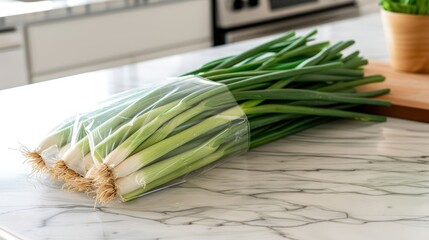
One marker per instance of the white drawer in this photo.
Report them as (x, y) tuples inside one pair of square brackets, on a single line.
[(13, 67), (13, 72), (80, 42)]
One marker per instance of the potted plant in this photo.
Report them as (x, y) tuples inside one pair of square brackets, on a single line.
[(406, 26)]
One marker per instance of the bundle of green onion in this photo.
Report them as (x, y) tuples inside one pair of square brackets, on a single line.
[(147, 138)]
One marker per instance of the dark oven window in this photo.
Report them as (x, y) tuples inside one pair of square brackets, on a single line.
[(276, 4)]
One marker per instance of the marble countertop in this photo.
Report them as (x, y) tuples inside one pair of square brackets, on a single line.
[(343, 180), (19, 12)]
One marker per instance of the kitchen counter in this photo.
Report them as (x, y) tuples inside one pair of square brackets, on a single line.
[(18, 12), (343, 180)]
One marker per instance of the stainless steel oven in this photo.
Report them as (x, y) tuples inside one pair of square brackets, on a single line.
[(235, 20)]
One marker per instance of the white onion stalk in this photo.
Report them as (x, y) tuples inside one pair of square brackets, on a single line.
[(136, 112), (73, 166), (105, 180), (68, 131), (152, 153), (58, 139), (64, 149), (223, 151), (146, 175)]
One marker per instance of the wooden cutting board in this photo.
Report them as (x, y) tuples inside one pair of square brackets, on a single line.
[(409, 93)]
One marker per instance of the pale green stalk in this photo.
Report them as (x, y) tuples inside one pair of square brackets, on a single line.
[(127, 147), (113, 140), (223, 100), (165, 167), (141, 105), (73, 132), (102, 107), (221, 152), (154, 152)]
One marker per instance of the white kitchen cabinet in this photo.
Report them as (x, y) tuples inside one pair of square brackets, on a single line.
[(87, 43), (13, 69)]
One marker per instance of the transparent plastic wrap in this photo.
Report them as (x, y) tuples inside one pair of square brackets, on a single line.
[(48, 156), (177, 127), (78, 151)]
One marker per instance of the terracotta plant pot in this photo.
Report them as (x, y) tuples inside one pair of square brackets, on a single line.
[(408, 39)]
